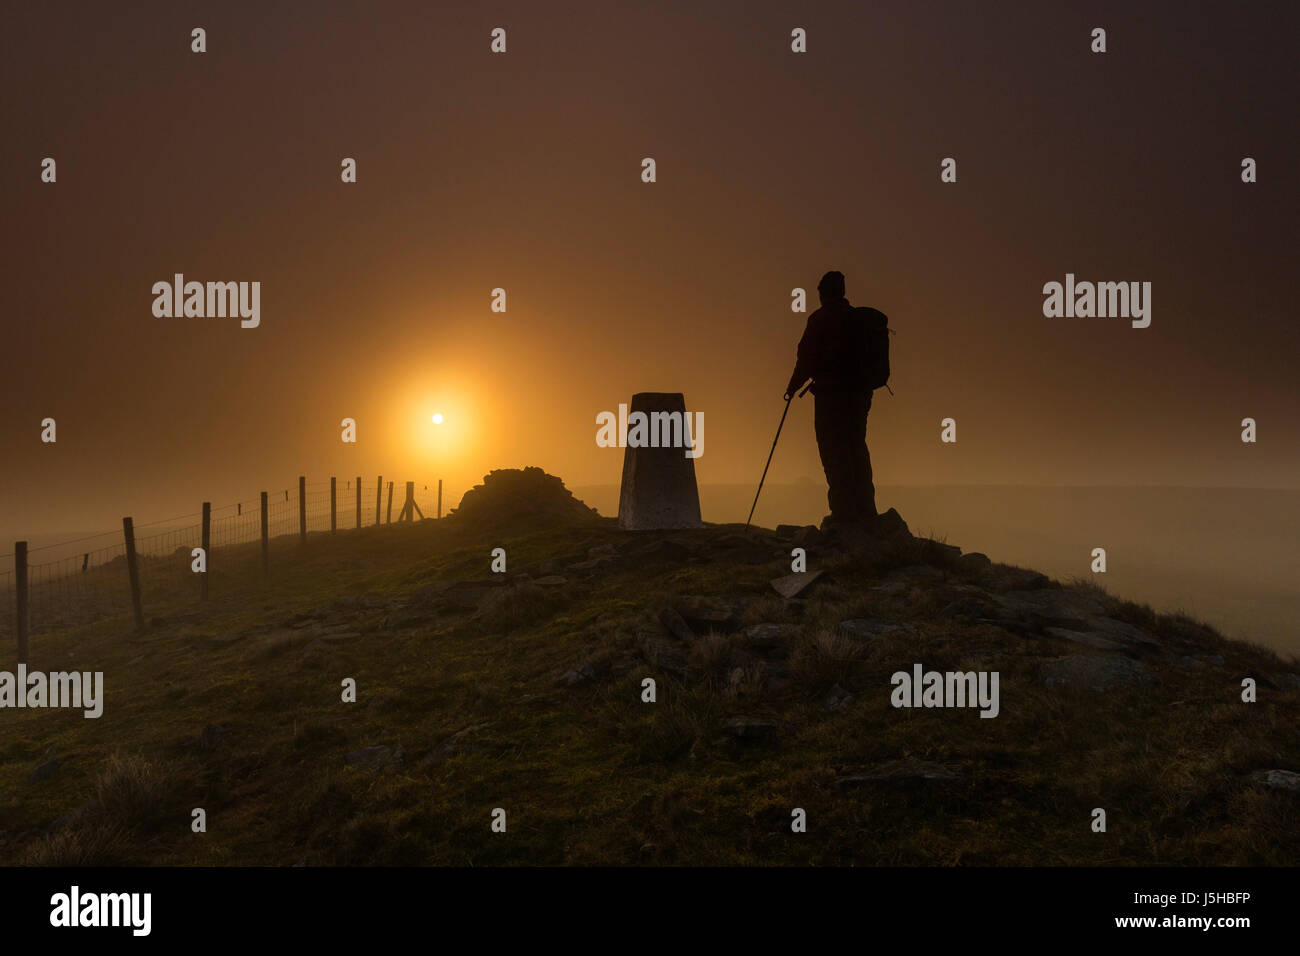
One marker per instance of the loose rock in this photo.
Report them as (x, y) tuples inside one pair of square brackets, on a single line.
[(661, 654), (763, 637), (45, 771), (1287, 781), (675, 624), (864, 629), (750, 728), (792, 585), (908, 772), (710, 613), (375, 758), (837, 699), (1097, 673), (582, 674)]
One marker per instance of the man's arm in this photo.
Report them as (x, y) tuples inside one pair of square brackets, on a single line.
[(803, 364)]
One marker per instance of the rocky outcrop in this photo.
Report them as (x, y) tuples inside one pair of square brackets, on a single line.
[(515, 498)]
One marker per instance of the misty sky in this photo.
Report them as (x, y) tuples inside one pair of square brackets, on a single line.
[(522, 171)]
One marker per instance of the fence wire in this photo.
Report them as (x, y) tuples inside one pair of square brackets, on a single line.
[(82, 588)]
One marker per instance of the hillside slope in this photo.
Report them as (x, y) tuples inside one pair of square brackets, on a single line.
[(523, 691)]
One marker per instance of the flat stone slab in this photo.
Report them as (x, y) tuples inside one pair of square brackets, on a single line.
[(457, 743), (837, 699), (908, 772), (1059, 608), (591, 564), (975, 562), (769, 636), (675, 624), (792, 585), (660, 653), (1286, 780), (865, 629), (1021, 579), (1087, 638), (45, 771), (710, 613), (1121, 631), (940, 548), (582, 674), (1097, 673), (375, 758), (750, 728)]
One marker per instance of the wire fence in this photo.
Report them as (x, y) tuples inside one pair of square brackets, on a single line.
[(73, 583)]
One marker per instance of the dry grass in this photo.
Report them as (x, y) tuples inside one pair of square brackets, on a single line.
[(592, 774)]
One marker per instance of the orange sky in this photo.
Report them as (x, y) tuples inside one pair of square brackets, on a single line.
[(522, 171)]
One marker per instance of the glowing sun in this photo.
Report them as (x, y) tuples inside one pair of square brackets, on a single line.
[(437, 418)]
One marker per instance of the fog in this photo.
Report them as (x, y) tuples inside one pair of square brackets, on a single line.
[(1228, 556)]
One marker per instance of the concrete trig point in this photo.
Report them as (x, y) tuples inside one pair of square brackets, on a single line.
[(659, 490)]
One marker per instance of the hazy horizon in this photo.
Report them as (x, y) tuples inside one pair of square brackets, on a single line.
[(1225, 555), (522, 171), (451, 499)]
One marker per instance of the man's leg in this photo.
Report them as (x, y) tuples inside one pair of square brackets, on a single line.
[(833, 423), (822, 426), (864, 488)]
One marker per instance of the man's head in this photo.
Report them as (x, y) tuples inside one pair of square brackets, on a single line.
[(831, 288)]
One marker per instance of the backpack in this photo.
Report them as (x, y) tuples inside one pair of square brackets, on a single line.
[(876, 359)]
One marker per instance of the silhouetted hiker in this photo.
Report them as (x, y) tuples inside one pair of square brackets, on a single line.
[(845, 351)]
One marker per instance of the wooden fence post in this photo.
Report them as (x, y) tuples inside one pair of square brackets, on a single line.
[(409, 508), (358, 501), (266, 540), (439, 497), (207, 548), (334, 509), (133, 572), (20, 580), (379, 499), (302, 509), (390, 502)]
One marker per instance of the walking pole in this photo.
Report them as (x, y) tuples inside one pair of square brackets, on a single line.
[(769, 459)]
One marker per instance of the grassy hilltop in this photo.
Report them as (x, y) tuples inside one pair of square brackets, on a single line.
[(523, 691)]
